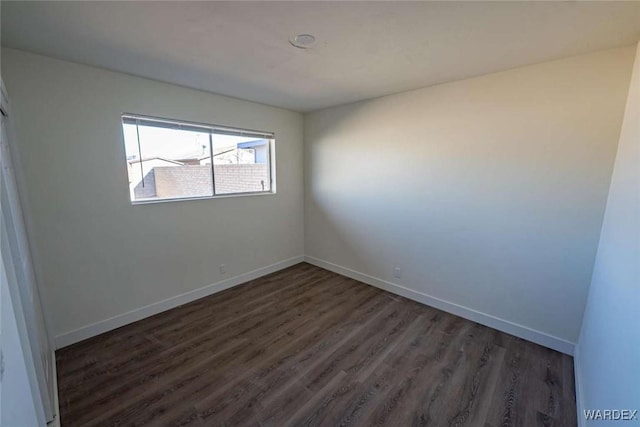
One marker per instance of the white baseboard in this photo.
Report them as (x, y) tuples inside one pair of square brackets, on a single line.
[(520, 331), (106, 325), (577, 373)]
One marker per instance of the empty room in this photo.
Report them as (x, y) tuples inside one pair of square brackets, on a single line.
[(320, 213)]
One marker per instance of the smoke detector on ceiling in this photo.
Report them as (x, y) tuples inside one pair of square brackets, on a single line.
[(302, 41)]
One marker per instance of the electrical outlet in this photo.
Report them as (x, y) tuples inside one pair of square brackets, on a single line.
[(397, 273), (223, 268)]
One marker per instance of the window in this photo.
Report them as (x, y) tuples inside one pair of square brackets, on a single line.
[(169, 160)]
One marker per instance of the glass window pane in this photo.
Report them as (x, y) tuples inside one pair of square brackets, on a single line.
[(167, 163), (241, 164)]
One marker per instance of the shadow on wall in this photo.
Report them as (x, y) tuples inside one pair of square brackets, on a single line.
[(489, 191)]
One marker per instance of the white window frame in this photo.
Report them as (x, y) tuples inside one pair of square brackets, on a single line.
[(130, 118)]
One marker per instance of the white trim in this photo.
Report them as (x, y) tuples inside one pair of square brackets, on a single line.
[(56, 401), (577, 373), (520, 331), (24, 290), (77, 335), (216, 196)]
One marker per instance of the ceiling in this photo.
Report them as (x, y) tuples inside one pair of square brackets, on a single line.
[(363, 49)]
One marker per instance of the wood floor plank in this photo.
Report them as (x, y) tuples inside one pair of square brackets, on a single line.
[(505, 409), (410, 398), (569, 415), (272, 380), (218, 412), (359, 402), (304, 346), (215, 400), (259, 337), (212, 337)]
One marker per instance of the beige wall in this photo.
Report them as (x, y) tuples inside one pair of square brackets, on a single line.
[(99, 256), (608, 354), (488, 193)]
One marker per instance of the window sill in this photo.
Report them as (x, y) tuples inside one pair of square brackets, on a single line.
[(186, 199)]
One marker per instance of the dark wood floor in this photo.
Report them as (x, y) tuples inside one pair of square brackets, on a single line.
[(305, 346)]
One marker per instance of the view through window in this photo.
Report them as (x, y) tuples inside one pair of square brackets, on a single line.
[(169, 160)]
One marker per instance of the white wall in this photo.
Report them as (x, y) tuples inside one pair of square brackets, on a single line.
[(98, 255), (608, 353), (488, 193)]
